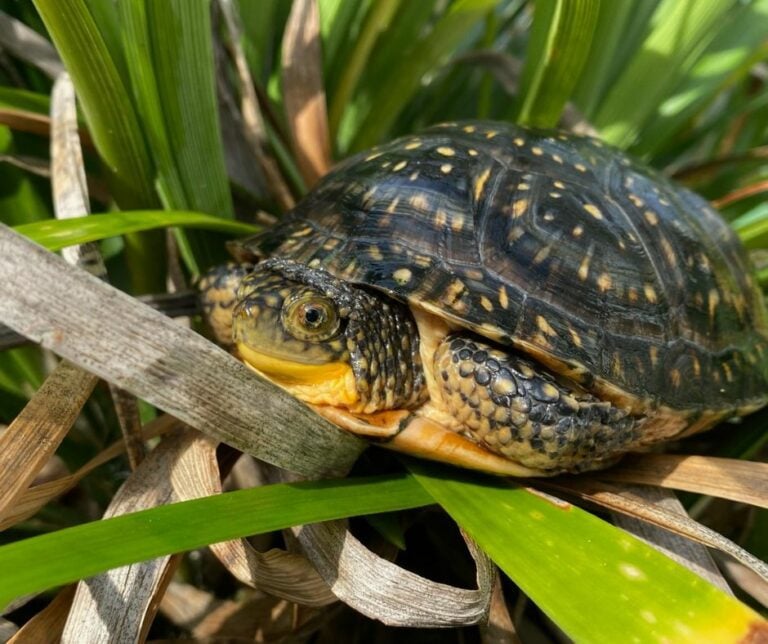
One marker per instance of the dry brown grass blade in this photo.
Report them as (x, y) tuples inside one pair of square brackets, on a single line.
[(726, 478), (114, 336), (276, 572), (619, 500), (29, 442), (384, 591), (252, 617), (123, 600), (500, 629), (747, 580), (28, 45), (35, 497), (304, 91), (686, 552), (251, 114), (47, 626), (23, 121)]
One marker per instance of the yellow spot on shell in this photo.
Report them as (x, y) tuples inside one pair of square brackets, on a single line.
[(578, 230), (604, 282), (393, 205), (544, 325), (472, 152), (503, 297), (490, 134), (541, 255), (653, 352), (675, 377), (518, 141), (441, 217), (402, 276), (519, 207), (651, 217), (414, 176), (419, 202), (557, 158), (632, 294), (373, 156), (399, 166), (555, 195), (413, 145), (523, 186), (559, 184), (713, 299), (486, 303), (537, 150), (593, 210), (469, 128), (446, 151), (728, 372), (584, 267), (575, 337), (650, 293), (580, 167), (669, 252), (636, 200), (446, 168), (696, 366), (480, 183)]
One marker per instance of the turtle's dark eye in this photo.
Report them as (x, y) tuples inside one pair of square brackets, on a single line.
[(310, 316)]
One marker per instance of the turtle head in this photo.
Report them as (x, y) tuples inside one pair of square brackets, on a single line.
[(325, 341)]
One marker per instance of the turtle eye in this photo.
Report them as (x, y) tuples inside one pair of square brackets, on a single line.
[(311, 317)]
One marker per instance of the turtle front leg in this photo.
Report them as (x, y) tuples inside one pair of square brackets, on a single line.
[(514, 408), (218, 289)]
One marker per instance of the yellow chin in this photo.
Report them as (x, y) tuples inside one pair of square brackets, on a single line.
[(332, 383)]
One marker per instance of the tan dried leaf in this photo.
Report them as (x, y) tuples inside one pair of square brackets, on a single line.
[(726, 478), (304, 91), (123, 600), (43, 423)]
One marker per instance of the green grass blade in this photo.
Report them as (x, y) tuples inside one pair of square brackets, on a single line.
[(104, 99), (170, 57), (615, 39), (557, 50), (56, 234), (28, 566), (598, 583), (385, 96), (21, 99), (752, 227), (680, 32)]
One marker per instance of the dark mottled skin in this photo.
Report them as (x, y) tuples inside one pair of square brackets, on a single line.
[(514, 408), (613, 271)]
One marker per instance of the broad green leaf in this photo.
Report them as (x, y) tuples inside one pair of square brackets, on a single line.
[(680, 32), (55, 234), (557, 50), (30, 566), (104, 98), (598, 583)]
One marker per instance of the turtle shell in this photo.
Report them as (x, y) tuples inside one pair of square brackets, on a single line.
[(556, 244)]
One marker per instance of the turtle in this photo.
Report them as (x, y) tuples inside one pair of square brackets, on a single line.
[(518, 301)]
